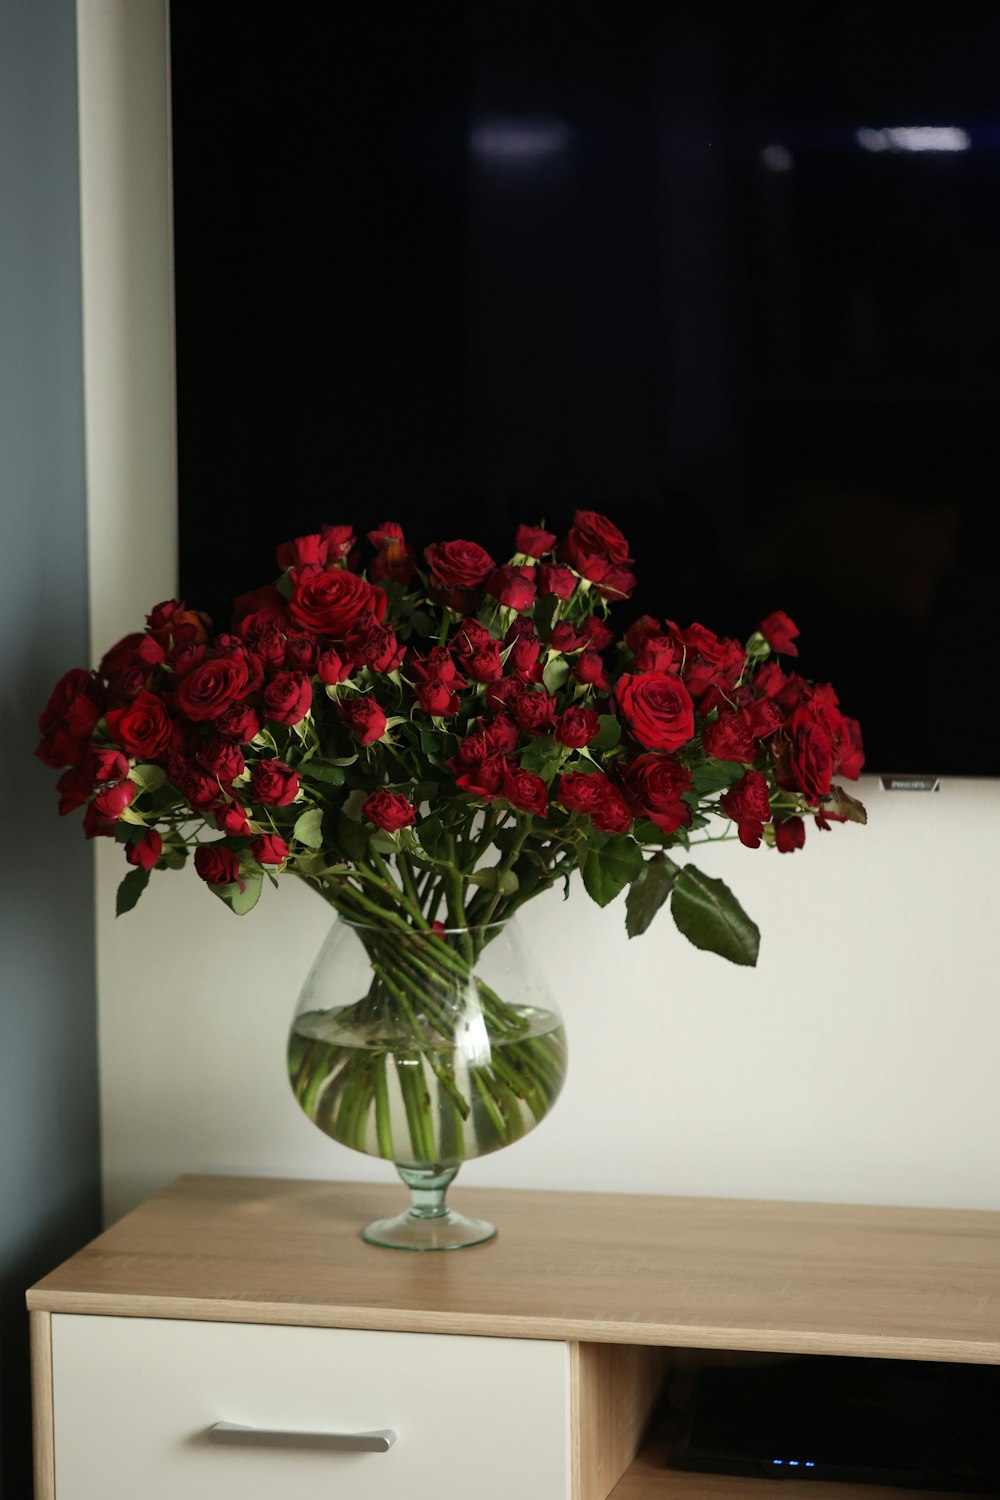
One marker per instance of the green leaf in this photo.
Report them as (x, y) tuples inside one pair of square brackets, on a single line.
[(608, 870), (610, 733), (241, 901), (555, 674), (148, 778), (352, 837), (130, 890), (716, 776), (495, 879), (353, 803), (543, 615), (709, 916), (843, 805), (648, 891), (430, 831), (308, 828), (317, 770)]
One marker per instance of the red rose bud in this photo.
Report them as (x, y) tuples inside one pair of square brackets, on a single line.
[(583, 791), (209, 690), (274, 784), (501, 734), (239, 723), (231, 819), (553, 578), (72, 709), (395, 560), (811, 764), (121, 655), (613, 815), (222, 759), (339, 542), (655, 653), (565, 637), (593, 535), (374, 646), (146, 851), (363, 717), (437, 666), (288, 697), (269, 850), (301, 651), (171, 623), (109, 765), (615, 582), (597, 633), (532, 541), (731, 737), (533, 712), (74, 787), (331, 668), (657, 709), (389, 810), (331, 602), (469, 635), (749, 806), (513, 586), (588, 668), (479, 765), (111, 801), (523, 658), (438, 698), (217, 865), (789, 834), (525, 791), (201, 790), (577, 727), (780, 632), (484, 665), (183, 659), (303, 552), (94, 826), (458, 565)]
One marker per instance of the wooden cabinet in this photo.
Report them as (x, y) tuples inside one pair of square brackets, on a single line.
[(525, 1369)]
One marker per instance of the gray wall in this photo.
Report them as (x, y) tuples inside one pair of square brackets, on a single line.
[(49, 1146)]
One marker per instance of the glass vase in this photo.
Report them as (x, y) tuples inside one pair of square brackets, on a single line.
[(426, 1047)]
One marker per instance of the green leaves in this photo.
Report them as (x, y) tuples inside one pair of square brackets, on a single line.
[(148, 778), (241, 901), (609, 869), (842, 805), (648, 892), (710, 917), (130, 889), (493, 878), (716, 776), (610, 733), (308, 828), (555, 674)]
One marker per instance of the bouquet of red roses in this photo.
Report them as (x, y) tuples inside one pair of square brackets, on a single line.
[(437, 740)]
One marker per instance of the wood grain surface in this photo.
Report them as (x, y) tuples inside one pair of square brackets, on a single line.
[(43, 1433), (686, 1272)]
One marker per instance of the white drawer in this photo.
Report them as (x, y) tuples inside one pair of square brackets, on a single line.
[(134, 1399)]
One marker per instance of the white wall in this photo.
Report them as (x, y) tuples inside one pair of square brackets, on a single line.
[(857, 1062)]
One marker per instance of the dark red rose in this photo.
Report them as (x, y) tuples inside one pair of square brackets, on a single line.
[(217, 865), (183, 659), (811, 763), (263, 622), (274, 784), (288, 697), (532, 541), (576, 727), (174, 625), (389, 810), (74, 787), (597, 633), (239, 723), (657, 709), (655, 785), (749, 806), (304, 552), (437, 666), (588, 668), (396, 559), (146, 851), (780, 632), (269, 645), (121, 655), (655, 653), (269, 849), (502, 734), (209, 690), (68, 718), (614, 814), (525, 791), (438, 698), (553, 578), (329, 603), (594, 536), (484, 665), (339, 541), (765, 717), (111, 801), (108, 765), (479, 766), (222, 759), (331, 668), (95, 826), (710, 661), (265, 598), (469, 635), (458, 565), (372, 645), (731, 737), (301, 651), (852, 755), (615, 582), (232, 819), (363, 717), (513, 586), (789, 834), (143, 728), (583, 791), (149, 652), (533, 712), (565, 637), (523, 658), (200, 789), (639, 630)]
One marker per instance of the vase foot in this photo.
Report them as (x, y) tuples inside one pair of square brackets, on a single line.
[(409, 1231)]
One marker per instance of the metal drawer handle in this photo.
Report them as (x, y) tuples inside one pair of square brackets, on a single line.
[(335, 1442)]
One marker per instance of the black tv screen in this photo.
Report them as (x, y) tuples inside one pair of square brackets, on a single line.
[(730, 275)]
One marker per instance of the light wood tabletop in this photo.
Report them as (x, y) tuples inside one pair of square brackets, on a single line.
[(685, 1272)]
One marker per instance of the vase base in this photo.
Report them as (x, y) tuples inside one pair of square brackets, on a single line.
[(410, 1231)]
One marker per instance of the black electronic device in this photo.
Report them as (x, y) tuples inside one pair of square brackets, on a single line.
[(922, 1426)]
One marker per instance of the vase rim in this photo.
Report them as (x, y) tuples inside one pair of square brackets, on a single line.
[(439, 931)]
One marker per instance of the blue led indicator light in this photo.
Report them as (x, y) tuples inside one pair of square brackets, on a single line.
[(793, 1463), (777, 1460), (810, 1464)]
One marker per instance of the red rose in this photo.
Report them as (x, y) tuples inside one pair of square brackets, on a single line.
[(111, 801), (765, 718), (339, 542), (576, 727), (501, 733), (109, 765), (146, 851), (655, 653), (479, 765), (149, 652), (565, 637), (389, 810), (458, 565), (484, 665), (217, 865), (304, 551), (657, 709), (614, 814), (525, 791), (201, 790), (288, 697), (395, 558), (731, 737), (437, 666), (329, 603), (749, 806), (222, 759), (269, 849), (583, 791), (523, 658), (209, 690), (171, 623), (533, 712), (183, 659), (68, 718), (74, 787), (363, 717), (656, 784), (711, 661), (120, 655), (301, 651), (639, 630), (850, 750), (811, 763), (513, 586), (789, 834), (553, 578), (274, 783), (373, 645), (331, 669), (143, 728), (780, 632), (469, 635), (249, 604), (532, 541), (597, 633), (239, 723), (438, 698), (588, 668), (594, 536), (231, 819)]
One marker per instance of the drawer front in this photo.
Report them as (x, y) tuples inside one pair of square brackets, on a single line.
[(134, 1400)]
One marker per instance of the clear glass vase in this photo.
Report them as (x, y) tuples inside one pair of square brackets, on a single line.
[(426, 1048)]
